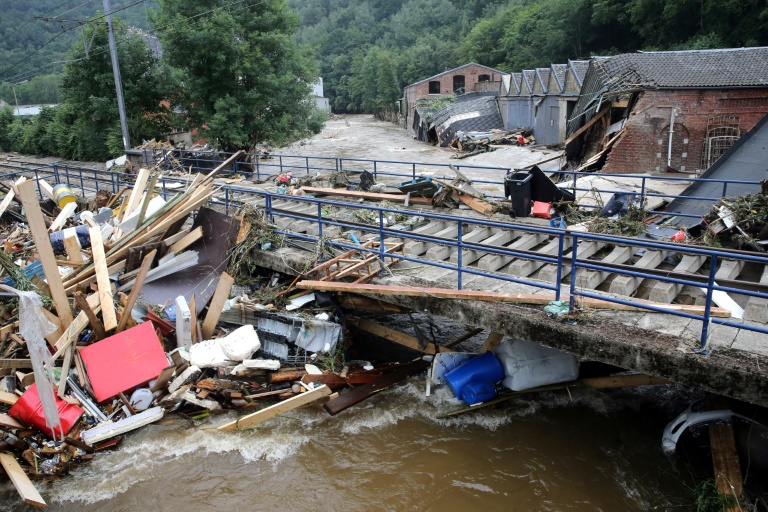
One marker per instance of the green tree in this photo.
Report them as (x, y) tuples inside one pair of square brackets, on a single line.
[(88, 87), (245, 80)]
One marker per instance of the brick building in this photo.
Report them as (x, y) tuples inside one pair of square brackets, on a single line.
[(629, 102), (469, 78)]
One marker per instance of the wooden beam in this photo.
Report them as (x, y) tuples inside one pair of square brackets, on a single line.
[(65, 365), (9, 422), (586, 126), (493, 339), (725, 458), (623, 381), (277, 409), (136, 193), (146, 263), (72, 246), (102, 278), (517, 298), (209, 178), (77, 326), (544, 161), (357, 395), (21, 481), (15, 363), (10, 195), (220, 296), (8, 398), (55, 335), (63, 216), (150, 191), (372, 196), (46, 189), (96, 325), (45, 251), (187, 240), (396, 336), (463, 337), (479, 205)]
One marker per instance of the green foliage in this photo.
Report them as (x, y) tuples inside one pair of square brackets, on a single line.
[(86, 126), (245, 80)]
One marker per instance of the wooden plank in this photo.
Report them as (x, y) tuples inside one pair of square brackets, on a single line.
[(72, 245), (623, 381), (277, 409), (187, 240), (220, 296), (96, 325), (8, 398), (77, 326), (8, 422), (63, 216), (21, 481), (143, 271), (480, 206), (113, 269), (164, 378), (725, 459), (586, 126), (463, 337), (65, 365), (10, 195), (372, 196), (175, 238), (150, 191), (46, 189), (102, 278), (517, 298), (209, 178), (491, 341), (193, 319), (15, 363), (55, 335), (8, 329), (136, 193), (544, 161), (396, 336), (357, 395), (45, 251)]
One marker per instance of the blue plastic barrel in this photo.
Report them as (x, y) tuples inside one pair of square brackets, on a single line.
[(478, 391), (483, 367)]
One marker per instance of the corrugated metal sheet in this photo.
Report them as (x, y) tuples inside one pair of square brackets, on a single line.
[(478, 114)]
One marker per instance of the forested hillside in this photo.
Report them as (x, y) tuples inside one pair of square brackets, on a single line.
[(419, 38), (34, 50)]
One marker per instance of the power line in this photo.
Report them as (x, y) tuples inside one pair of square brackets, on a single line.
[(33, 73), (64, 30), (31, 19)]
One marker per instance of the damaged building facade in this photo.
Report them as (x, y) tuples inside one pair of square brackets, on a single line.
[(657, 111)]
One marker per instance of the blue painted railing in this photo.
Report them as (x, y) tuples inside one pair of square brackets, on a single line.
[(234, 197), (261, 169)]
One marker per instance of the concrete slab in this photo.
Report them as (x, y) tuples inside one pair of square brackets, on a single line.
[(752, 342), (668, 324), (757, 307), (586, 249), (524, 268), (590, 279), (416, 248), (491, 262), (666, 292), (497, 239), (626, 285), (443, 252)]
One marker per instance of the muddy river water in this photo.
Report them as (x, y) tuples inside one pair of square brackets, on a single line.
[(587, 451)]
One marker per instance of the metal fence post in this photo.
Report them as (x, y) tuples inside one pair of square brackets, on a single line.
[(642, 195), (708, 304), (458, 260), (319, 219), (306, 164), (56, 172), (375, 171), (414, 171), (381, 238), (559, 264), (226, 200), (572, 298)]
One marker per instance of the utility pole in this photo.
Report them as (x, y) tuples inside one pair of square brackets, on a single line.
[(116, 73)]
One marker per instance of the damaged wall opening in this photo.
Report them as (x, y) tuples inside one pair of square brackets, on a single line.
[(458, 83), (434, 87)]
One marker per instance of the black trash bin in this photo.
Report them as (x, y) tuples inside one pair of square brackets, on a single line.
[(517, 188)]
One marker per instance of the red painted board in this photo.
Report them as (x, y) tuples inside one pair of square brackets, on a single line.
[(124, 361)]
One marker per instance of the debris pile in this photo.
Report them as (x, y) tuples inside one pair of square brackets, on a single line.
[(739, 222), (117, 315)]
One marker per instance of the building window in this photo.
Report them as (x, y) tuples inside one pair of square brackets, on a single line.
[(484, 78), (458, 84), (434, 87)]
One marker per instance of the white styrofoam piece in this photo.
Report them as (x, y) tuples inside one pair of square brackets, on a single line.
[(112, 429)]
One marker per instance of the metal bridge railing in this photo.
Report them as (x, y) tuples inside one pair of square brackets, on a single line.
[(89, 180), (261, 169)]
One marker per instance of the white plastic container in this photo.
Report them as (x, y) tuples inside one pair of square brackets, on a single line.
[(529, 365), (141, 399)]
